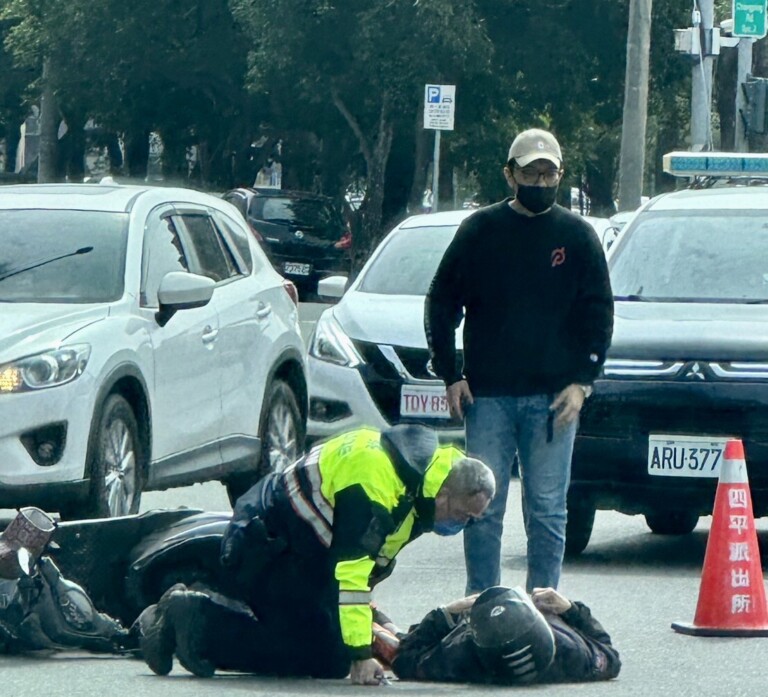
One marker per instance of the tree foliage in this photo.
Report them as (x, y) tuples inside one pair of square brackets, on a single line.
[(339, 83)]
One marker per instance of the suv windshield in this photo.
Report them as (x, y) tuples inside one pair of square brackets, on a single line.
[(694, 256), (408, 261), (303, 212), (61, 256)]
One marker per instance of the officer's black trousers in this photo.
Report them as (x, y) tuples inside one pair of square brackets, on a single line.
[(295, 631)]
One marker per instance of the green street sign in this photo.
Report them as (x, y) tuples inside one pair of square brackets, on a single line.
[(749, 18)]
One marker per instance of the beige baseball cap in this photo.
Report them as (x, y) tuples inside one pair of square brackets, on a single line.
[(535, 144)]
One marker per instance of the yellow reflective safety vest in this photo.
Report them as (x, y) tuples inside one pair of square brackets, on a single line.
[(366, 494)]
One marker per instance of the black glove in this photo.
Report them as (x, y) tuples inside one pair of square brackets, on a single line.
[(241, 537)]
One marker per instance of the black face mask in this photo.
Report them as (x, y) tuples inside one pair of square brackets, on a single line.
[(536, 199)]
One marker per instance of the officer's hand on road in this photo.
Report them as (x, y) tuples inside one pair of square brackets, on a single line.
[(567, 405), (367, 672), (549, 600), (461, 604), (458, 395)]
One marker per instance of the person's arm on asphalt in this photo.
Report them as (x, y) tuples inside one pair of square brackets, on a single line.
[(603, 662)]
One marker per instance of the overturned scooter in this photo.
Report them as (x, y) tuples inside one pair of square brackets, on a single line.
[(39, 608)]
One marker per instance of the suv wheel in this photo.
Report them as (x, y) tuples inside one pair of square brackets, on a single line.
[(282, 432), (671, 522), (578, 528), (114, 464)]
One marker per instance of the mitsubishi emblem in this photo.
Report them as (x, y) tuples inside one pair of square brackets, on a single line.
[(695, 371)]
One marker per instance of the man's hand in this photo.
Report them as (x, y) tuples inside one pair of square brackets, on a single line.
[(461, 604), (549, 600), (367, 672), (458, 395), (567, 405)]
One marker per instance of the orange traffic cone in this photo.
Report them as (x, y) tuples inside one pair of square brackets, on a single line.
[(732, 594)]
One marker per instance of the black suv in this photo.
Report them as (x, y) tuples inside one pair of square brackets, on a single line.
[(688, 366), (305, 236)]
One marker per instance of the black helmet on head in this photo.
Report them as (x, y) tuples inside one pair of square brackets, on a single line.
[(514, 641)]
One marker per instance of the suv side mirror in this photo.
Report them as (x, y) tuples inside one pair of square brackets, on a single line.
[(182, 291), (332, 287)]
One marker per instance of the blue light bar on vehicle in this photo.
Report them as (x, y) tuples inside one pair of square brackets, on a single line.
[(715, 164)]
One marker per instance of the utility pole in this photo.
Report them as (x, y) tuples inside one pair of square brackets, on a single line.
[(701, 76), (743, 68), (632, 158)]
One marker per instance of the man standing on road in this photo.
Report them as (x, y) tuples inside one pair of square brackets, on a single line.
[(530, 279), (306, 545)]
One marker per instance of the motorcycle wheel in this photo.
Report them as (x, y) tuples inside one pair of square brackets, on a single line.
[(282, 432), (115, 464)]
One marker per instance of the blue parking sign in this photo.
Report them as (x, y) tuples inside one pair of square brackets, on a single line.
[(433, 94)]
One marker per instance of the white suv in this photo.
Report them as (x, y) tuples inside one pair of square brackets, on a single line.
[(145, 343)]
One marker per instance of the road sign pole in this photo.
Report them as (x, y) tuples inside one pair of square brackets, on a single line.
[(436, 174)]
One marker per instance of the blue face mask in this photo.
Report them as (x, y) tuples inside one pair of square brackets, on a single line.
[(448, 527)]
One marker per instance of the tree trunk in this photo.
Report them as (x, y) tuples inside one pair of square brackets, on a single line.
[(373, 204), (376, 157), (419, 165), (49, 128), (136, 152), (726, 91)]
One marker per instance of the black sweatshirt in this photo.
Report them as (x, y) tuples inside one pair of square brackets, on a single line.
[(440, 648), (536, 298)]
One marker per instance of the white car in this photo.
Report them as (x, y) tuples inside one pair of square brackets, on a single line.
[(368, 357), (145, 343)]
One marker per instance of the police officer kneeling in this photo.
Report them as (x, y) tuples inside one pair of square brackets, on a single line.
[(306, 546)]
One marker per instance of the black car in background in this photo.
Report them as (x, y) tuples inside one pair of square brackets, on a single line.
[(306, 236), (688, 366)]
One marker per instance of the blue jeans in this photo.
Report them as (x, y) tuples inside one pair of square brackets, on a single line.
[(497, 428)]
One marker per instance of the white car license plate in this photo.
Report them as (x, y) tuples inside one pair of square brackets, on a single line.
[(425, 401), (685, 456), (296, 268)]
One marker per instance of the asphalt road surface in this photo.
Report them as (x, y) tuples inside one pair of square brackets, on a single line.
[(636, 583)]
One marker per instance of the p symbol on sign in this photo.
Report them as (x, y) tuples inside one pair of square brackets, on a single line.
[(433, 94)]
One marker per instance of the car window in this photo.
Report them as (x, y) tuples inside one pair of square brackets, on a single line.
[(319, 215), (408, 261), (62, 256), (162, 254), (239, 238), (208, 255), (689, 255)]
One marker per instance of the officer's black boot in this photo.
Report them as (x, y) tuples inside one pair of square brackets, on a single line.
[(187, 612), (157, 638)]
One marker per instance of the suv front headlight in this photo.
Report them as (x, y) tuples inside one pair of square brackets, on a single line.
[(48, 369), (330, 343)]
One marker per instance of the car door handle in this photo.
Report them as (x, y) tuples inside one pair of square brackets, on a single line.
[(263, 310), (209, 334)]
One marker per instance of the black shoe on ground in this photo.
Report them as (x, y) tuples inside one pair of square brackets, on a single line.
[(157, 639), (187, 613)]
